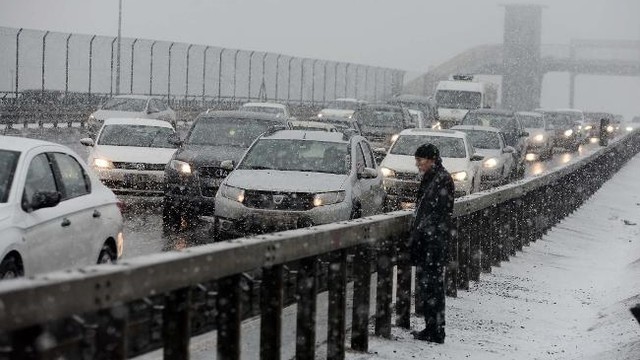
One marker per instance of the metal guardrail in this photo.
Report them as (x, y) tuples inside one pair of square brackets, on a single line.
[(491, 226)]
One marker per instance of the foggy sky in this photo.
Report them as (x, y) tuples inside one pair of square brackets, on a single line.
[(405, 34)]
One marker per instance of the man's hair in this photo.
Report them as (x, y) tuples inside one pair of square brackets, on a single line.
[(427, 151)]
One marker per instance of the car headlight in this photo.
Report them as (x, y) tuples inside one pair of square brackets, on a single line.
[(568, 133), (102, 163), (459, 176), (328, 198), (394, 137), (319, 115), (180, 166), (386, 172), (588, 127), (490, 163), (437, 126), (609, 128), (538, 138), (629, 128), (232, 193), (92, 118)]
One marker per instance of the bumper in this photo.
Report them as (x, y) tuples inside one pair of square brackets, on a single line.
[(132, 182), (236, 219)]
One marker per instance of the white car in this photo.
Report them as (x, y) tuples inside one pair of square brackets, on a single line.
[(279, 110), (401, 177), (54, 213), (130, 155), (541, 135), (132, 106), (294, 178), (498, 163), (344, 107), (312, 125)]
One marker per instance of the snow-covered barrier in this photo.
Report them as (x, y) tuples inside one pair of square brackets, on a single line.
[(162, 300)]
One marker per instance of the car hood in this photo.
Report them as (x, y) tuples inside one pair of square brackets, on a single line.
[(489, 153), (289, 181), (452, 114), (133, 154), (379, 130), (405, 163), (337, 112), (201, 155), (107, 114)]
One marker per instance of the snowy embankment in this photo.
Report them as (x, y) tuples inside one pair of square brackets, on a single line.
[(566, 296)]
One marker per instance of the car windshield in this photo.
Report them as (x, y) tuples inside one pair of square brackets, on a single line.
[(558, 119), (264, 109), (381, 118), (455, 99), (120, 104), (227, 131), (503, 122), (450, 147), (297, 155), (341, 104), (8, 161), (483, 139), (136, 135), (529, 121)]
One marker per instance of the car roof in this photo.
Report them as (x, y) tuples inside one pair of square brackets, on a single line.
[(491, 111), (16, 143), (333, 118), (137, 121), (306, 135), (318, 124), (239, 114), (529, 113), (433, 132), (382, 106), (477, 128), (265, 104)]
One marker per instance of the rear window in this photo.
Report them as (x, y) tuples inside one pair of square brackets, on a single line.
[(8, 163), (136, 135), (227, 131)]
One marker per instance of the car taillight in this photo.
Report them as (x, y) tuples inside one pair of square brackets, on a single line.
[(121, 206)]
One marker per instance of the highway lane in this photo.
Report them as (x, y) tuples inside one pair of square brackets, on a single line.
[(143, 215)]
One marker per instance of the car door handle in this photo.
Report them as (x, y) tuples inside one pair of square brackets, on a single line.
[(65, 222), (96, 214)]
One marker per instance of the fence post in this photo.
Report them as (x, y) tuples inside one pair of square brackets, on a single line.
[(306, 291), (356, 83), (151, 68), (271, 298), (176, 324), (361, 299), (313, 81), (110, 75), (133, 52), (302, 80), (220, 74), (276, 95), (235, 73), (204, 71), (289, 80), (250, 66), (112, 334), (169, 74), (384, 289), (346, 74), (186, 80), (335, 80), (486, 238), (44, 46), (91, 61), (229, 317), (336, 327), (324, 83), (18, 60), (264, 58)]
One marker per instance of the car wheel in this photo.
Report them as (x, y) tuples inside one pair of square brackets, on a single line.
[(10, 268), (107, 255), (171, 218)]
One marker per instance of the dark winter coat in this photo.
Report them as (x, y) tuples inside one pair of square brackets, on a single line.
[(432, 226)]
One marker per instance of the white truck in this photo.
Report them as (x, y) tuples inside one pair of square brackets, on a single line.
[(455, 97)]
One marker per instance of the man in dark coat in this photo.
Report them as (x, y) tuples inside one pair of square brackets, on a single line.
[(430, 234)]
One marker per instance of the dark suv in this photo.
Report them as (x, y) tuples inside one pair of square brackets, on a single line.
[(194, 174), (381, 123), (514, 133)]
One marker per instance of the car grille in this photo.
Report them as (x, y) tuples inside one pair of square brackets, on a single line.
[(210, 178), (138, 166), (214, 172), (278, 200), (377, 138), (407, 176)]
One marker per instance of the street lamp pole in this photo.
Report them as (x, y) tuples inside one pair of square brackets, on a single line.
[(119, 43)]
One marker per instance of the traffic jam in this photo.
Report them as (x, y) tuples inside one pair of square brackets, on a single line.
[(260, 169)]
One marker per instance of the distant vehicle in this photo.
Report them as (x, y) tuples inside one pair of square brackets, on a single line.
[(279, 110), (510, 125), (541, 135), (344, 107), (381, 123), (457, 96), (498, 165), (294, 178), (194, 173), (340, 123), (132, 106), (401, 177), (414, 103), (591, 126), (420, 120), (311, 125), (568, 130), (129, 155), (55, 212)]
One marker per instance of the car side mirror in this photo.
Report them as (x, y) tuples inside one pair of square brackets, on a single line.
[(508, 150), (368, 173), (477, 157), (227, 165), (87, 142), (44, 199), (174, 139)]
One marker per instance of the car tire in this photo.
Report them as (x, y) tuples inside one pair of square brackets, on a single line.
[(10, 268), (107, 255), (171, 218)]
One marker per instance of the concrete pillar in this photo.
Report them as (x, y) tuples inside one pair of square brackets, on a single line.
[(521, 82)]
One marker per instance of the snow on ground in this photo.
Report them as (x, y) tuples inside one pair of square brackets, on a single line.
[(566, 296)]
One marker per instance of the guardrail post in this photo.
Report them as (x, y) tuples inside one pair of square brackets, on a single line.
[(361, 299), (487, 233), (229, 317), (384, 289), (271, 297), (176, 324), (111, 335), (451, 269), (464, 251), (505, 225), (336, 323), (133, 52), (44, 47), (307, 290), (403, 293), (475, 246), (24, 343)]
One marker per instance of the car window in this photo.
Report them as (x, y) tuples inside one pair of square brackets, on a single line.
[(8, 162), (360, 163), (136, 135), (160, 105), (483, 139), (39, 178), (368, 155), (75, 181), (227, 131)]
